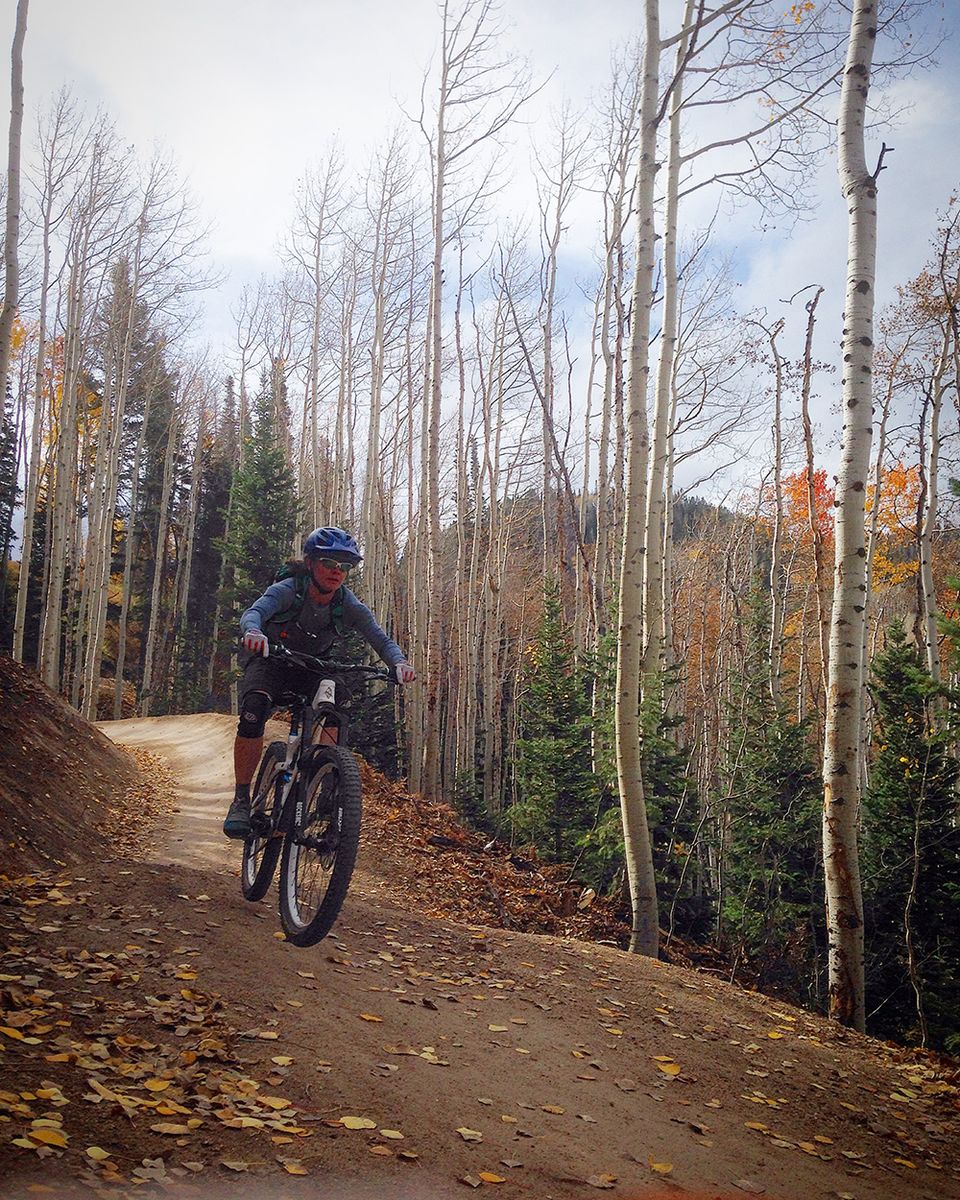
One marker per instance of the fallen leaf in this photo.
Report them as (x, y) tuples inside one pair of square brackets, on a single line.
[(167, 1127), (96, 1153), (489, 1177), (49, 1137), (669, 1068), (295, 1168), (470, 1135), (157, 1085), (470, 1180), (357, 1123), (370, 1017), (747, 1185), (553, 1108), (234, 1166), (393, 1134), (383, 1151), (659, 1167), (601, 1181)]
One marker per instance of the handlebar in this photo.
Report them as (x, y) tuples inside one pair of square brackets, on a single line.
[(330, 665)]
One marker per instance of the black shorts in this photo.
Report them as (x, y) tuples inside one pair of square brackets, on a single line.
[(272, 676)]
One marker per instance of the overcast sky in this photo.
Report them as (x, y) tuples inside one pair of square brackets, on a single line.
[(246, 93)]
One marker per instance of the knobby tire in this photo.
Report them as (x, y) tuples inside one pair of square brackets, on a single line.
[(313, 885), (260, 854)]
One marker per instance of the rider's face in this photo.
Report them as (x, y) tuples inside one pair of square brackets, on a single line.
[(327, 578)]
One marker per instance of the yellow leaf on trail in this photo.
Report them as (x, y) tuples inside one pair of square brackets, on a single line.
[(905, 1162), (168, 1127), (234, 1166), (470, 1135), (97, 1153), (662, 1058), (357, 1123), (267, 1035), (382, 1151), (756, 1125), (489, 1177), (669, 1068), (394, 1134), (601, 1181), (774, 1034), (282, 1060), (275, 1102), (370, 1017), (49, 1137), (293, 1168), (660, 1168), (157, 1085), (553, 1108), (499, 1028)]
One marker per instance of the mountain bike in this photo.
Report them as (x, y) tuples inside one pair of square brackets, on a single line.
[(306, 804)]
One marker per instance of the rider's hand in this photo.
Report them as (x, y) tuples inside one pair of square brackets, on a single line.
[(405, 673), (256, 642)]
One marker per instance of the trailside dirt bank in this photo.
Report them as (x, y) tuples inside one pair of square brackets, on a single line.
[(159, 1036)]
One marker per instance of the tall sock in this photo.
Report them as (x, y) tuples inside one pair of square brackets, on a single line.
[(242, 791)]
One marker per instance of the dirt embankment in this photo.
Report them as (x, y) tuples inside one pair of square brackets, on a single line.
[(66, 790)]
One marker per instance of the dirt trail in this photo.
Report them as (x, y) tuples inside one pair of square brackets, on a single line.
[(199, 750), (558, 1067)]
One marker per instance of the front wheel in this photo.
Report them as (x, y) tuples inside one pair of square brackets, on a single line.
[(262, 848), (320, 848)]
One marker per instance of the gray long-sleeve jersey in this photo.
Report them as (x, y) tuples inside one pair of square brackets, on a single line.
[(277, 605)]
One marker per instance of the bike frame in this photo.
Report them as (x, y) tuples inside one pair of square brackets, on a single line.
[(303, 723)]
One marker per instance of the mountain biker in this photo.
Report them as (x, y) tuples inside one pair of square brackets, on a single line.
[(306, 618)]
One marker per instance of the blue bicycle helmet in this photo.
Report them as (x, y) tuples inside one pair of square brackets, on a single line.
[(332, 543)]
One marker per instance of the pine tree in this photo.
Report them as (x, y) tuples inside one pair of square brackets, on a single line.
[(265, 511), (558, 790), (771, 879), (911, 861), (218, 457)]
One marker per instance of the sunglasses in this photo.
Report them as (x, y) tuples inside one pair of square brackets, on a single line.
[(334, 564)]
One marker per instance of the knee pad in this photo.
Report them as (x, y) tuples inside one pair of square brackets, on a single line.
[(254, 710)]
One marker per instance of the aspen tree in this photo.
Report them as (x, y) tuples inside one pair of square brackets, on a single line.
[(11, 241), (841, 776), (95, 230), (638, 851), (656, 530), (477, 96), (62, 147), (148, 688)]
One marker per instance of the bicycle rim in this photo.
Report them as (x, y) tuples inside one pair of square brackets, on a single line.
[(260, 853), (318, 862)]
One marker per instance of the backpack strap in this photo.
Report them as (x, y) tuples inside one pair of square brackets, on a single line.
[(336, 611)]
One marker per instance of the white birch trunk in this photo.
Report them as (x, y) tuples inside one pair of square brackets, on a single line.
[(644, 935), (841, 776), (11, 243)]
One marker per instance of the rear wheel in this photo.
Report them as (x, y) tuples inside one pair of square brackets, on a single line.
[(319, 853), (260, 849)]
